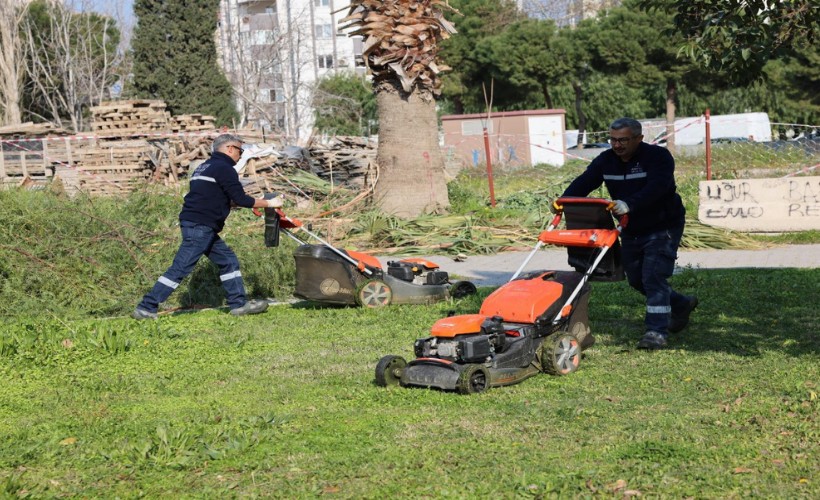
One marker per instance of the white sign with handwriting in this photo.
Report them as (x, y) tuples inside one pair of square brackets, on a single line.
[(761, 205)]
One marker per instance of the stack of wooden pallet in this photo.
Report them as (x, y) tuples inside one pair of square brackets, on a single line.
[(25, 156), (128, 118), (30, 129), (345, 160), (136, 143), (171, 159), (191, 123), (107, 168), (341, 161)]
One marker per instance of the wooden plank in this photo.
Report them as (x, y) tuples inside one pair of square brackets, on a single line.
[(118, 167), (15, 169), (68, 151), (122, 151), (85, 179), (46, 158)]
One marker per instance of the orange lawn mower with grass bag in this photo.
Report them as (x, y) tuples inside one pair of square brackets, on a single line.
[(329, 275), (536, 322)]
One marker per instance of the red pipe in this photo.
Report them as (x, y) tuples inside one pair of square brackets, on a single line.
[(708, 147), (489, 166)]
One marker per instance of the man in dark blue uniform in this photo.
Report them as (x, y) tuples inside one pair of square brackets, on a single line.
[(640, 179), (214, 186)]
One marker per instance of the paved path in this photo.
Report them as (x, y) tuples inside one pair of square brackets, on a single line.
[(497, 269)]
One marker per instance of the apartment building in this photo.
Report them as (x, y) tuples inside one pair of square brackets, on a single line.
[(276, 51)]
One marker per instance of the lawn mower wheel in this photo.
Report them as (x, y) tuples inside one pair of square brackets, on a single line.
[(389, 369), (560, 354)]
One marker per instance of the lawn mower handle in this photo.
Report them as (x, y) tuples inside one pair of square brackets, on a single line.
[(298, 226), (622, 222), (555, 221)]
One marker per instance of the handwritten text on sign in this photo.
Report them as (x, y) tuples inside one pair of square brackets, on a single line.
[(791, 204)]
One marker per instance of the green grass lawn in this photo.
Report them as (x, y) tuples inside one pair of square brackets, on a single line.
[(284, 405)]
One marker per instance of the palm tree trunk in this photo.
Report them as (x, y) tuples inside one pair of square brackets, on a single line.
[(411, 166)]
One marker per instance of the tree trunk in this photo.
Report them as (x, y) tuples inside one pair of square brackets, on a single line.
[(458, 105), (11, 65), (671, 94), (582, 119), (547, 97), (411, 166)]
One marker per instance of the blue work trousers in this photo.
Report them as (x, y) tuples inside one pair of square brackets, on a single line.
[(198, 240), (649, 261)]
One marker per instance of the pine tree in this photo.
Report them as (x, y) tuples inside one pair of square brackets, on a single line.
[(175, 58)]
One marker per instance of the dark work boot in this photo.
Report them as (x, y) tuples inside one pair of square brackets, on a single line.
[(652, 340), (680, 318), (143, 314), (250, 307)]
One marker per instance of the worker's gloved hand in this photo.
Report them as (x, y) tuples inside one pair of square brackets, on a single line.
[(276, 202), (555, 208), (620, 207)]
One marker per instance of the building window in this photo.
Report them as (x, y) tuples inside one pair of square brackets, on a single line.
[(272, 95), (326, 61), (324, 30), (321, 3), (263, 37)]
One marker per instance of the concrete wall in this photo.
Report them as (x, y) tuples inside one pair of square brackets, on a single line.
[(761, 205), (517, 138)]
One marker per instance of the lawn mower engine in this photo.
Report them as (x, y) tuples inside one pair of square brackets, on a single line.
[(418, 271), (477, 348)]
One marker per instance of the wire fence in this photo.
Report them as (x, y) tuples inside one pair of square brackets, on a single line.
[(103, 163), (790, 149), (777, 150)]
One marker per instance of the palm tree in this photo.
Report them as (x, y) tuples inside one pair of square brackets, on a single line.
[(401, 44)]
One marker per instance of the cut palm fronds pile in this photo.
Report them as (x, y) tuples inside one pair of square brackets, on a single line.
[(472, 234), (697, 236), (450, 234)]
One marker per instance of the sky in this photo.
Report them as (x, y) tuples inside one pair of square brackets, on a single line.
[(115, 8)]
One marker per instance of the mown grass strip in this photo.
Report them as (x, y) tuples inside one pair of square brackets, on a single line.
[(284, 404)]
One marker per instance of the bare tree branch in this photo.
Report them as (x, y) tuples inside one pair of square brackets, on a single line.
[(70, 62)]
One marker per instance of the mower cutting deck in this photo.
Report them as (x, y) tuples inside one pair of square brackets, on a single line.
[(330, 275), (537, 322)]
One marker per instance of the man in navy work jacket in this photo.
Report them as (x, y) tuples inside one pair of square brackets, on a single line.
[(640, 178), (214, 185)]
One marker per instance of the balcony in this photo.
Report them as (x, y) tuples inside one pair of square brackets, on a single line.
[(258, 22)]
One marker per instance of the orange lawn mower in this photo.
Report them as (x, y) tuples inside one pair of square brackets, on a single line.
[(329, 275), (536, 322)]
